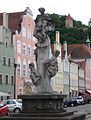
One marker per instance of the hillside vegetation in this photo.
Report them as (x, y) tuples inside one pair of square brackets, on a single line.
[(76, 35)]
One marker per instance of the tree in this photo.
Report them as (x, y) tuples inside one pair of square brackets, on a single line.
[(77, 34)]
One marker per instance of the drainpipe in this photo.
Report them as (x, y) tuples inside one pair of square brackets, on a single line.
[(15, 65)]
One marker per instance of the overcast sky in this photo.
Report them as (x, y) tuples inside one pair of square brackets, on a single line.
[(78, 9)]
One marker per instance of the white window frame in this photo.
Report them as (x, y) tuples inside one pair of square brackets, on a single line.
[(29, 50), (19, 47), (24, 31), (29, 34), (24, 69), (24, 49)]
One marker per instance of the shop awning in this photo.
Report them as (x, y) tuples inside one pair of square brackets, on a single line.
[(89, 91), (2, 94), (84, 93)]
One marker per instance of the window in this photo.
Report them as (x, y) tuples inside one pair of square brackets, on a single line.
[(9, 61), (6, 44), (28, 72), (12, 80), (29, 34), (24, 49), (0, 79), (29, 51), (4, 60), (18, 69), (6, 79), (24, 31), (18, 47), (24, 70), (11, 102)]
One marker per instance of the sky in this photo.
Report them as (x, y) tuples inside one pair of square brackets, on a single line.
[(78, 9)]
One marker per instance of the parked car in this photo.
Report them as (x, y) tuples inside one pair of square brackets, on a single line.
[(4, 110), (87, 98), (14, 105), (69, 102), (80, 100)]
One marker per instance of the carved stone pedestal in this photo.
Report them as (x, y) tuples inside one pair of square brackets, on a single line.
[(44, 107)]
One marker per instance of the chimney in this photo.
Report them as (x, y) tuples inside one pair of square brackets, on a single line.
[(57, 44), (88, 42), (65, 49), (57, 37), (5, 20)]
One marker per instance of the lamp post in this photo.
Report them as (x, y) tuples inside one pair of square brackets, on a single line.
[(69, 77), (15, 65)]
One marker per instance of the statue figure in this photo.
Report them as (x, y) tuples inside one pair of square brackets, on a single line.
[(51, 65), (34, 74), (45, 68), (42, 22)]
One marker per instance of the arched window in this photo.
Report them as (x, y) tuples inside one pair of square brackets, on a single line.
[(24, 68), (24, 49), (24, 31), (18, 47), (29, 50), (29, 34)]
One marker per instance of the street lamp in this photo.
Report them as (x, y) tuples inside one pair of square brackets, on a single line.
[(69, 78), (15, 65)]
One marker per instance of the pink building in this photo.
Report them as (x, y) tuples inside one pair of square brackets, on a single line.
[(24, 44)]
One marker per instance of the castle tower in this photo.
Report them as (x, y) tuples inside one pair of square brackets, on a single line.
[(69, 21)]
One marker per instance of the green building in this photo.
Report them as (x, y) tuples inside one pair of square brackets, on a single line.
[(6, 64)]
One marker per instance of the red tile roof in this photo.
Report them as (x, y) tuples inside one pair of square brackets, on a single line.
[(79, 51), (14, 20), (81, 64)]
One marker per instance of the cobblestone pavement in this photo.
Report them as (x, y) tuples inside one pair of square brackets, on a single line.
[(81, 109)]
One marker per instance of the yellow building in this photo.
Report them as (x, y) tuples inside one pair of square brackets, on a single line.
[(59, 76)]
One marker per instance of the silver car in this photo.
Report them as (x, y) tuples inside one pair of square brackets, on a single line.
[(14, 105)]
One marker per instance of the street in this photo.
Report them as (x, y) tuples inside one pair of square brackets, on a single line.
[(81, 109)]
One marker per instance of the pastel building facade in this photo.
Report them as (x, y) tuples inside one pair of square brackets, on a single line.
[(6, 63), (24, 46), (57, 80), (82, 53)]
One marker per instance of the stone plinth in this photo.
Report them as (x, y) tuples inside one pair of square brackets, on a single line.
[(41, 103), (44, 107)]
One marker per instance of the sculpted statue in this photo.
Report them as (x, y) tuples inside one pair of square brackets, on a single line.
[(42, 26), (51, 65), (45, 68), (34, 74)]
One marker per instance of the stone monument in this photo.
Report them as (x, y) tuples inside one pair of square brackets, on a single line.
[(44, 103), (46, 68)]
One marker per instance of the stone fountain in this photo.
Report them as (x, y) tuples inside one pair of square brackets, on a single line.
[(43, 103)]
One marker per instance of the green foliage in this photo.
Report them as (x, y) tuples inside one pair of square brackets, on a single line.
[(76, 35)]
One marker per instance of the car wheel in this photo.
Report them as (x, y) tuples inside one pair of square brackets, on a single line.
[(8, 113), (0, 114), (65, 105), (72, 104), (17, 110)]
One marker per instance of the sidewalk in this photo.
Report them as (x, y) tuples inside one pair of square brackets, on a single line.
[(87, 112)]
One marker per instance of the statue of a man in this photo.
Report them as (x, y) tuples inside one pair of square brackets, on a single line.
[(42, 26)]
